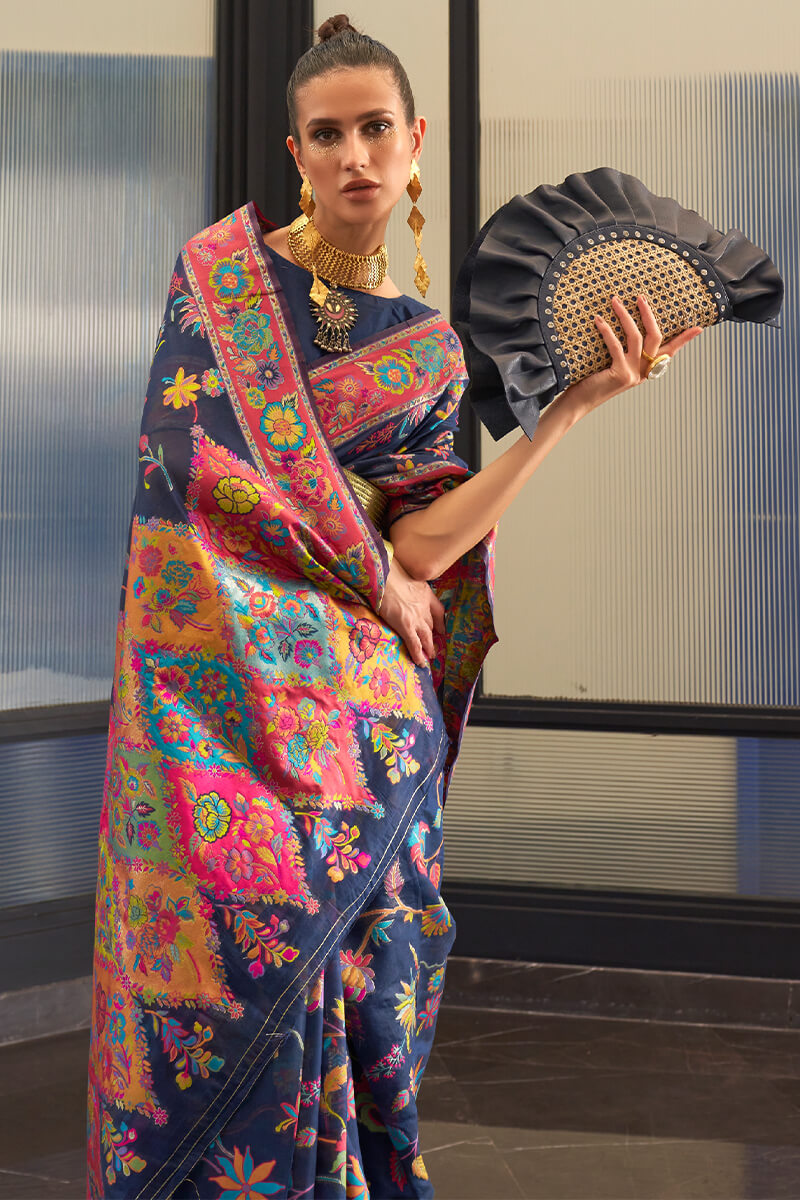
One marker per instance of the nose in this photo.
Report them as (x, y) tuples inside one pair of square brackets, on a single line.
[(354, 149)]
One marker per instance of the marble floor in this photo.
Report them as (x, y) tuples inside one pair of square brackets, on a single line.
[(515, 1105)]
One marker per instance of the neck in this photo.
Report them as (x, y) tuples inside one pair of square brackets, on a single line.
[(355, 239)]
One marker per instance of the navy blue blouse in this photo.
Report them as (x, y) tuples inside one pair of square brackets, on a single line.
[(375, 313)]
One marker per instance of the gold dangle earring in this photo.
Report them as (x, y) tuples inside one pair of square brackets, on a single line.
[(307, 198), (416, 221)]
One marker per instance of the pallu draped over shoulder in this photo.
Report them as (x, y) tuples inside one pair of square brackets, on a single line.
[(270, 935)]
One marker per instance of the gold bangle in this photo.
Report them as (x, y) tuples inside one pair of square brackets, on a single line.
[(369, 496), (389, 549)]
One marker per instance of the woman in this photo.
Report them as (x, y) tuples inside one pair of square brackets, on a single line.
[(289, 690)]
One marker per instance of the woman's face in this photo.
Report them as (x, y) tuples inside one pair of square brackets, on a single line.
[(355, 144)]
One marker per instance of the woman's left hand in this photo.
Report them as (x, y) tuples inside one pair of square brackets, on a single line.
[(628, 365), (412, 609)]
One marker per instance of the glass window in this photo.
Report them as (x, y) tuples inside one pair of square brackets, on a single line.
[(565, 808), (655, 557), (106, 166)]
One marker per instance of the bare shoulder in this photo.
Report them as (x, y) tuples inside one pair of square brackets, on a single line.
[(278, 240), (388, 289)]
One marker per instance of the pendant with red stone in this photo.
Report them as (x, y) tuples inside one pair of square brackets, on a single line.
[(336, 316)]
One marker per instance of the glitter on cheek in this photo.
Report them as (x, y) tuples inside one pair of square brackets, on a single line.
[(323, 149), (383, 136)]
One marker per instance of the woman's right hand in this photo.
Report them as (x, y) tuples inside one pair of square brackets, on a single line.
[(413, 610), (628, 362)]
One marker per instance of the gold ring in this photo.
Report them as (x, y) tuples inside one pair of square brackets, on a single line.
[(659, 364)]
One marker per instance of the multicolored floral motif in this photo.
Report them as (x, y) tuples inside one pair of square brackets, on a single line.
[(211, 382), (363, 394), (175, 611), (235, 837), (123, 1067), (229, 279), (271, 833), (240, 1175), (187, 1050), (235, 495), (250, 332), (357, 975), (118, 1144), (137, 812), (181, 390), (262, 944), (282, 427), (392, 373), (212, 816), (169, 951)]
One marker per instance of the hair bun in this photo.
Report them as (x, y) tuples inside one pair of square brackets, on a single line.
[(338, 24)]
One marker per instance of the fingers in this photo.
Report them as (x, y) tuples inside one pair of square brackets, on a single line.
[(652, 333), (633, 334), (419, 644), (613, 344), (680, 340), (635, 341), (426, 639), (411, 609), (429, 616), (416, 650), (438, 613), (627, 361), (418, 637), (629, 366)]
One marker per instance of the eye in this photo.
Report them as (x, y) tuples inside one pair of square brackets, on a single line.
[(325, 135), (378, 127)]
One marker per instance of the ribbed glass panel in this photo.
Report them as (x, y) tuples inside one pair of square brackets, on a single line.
[(656, 555), (50, 793), (568, 808), (551, 808), (105, 170)]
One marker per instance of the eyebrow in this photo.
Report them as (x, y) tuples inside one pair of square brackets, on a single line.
[(374, 112)]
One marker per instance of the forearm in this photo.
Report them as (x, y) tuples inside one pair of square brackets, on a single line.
[(429, 541)]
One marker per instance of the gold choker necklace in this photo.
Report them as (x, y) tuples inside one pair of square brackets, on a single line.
[(335, 313)]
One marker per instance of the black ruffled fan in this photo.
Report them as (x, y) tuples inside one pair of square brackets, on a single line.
[(546, 263)]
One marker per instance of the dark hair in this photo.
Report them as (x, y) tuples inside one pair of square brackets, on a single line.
[(341, 46)]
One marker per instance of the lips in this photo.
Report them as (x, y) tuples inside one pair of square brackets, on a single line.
[(360, 185)]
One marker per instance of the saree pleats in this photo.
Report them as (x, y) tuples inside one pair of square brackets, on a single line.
[(270, 936)]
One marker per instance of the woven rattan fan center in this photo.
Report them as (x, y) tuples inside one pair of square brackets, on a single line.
[(677, 293)]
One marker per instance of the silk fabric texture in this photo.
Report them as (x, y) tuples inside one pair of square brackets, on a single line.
[(270, 935)]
